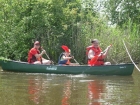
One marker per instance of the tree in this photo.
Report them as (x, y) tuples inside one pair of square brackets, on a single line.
[(120, 11)]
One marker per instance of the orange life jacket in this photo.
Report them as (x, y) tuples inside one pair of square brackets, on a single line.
[(97, 51), (65, 62), (32, 58), (68, 62)]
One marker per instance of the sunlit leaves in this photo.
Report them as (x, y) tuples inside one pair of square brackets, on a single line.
[(120, 11)]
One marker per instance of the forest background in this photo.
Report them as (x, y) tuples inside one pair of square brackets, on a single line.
[(70, 22)]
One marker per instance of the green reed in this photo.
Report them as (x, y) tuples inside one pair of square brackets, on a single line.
[(111, 36)]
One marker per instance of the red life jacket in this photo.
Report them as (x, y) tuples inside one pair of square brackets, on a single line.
[(32, 58), (97, 51)]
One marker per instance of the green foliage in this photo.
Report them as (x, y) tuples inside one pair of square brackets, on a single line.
[(56, 22), (120, 11), (4, 59)]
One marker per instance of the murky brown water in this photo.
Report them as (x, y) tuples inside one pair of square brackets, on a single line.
[(48, 89)]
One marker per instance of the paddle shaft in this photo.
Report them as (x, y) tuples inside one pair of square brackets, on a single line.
[(48, 56), (74, 59), (106, 49)]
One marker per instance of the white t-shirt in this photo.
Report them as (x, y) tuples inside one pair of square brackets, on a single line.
[(90, 54)]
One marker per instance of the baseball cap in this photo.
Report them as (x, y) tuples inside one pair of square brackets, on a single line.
[(36, 43)]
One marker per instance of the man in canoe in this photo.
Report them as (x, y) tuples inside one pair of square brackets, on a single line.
[(65, 57), (35, 57), (95, 55)]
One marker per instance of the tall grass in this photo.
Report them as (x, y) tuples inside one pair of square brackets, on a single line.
[(108, 35)]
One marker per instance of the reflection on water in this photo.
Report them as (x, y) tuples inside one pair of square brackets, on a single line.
[(66, 92), (50, 89), (95, 88), (35, 89)]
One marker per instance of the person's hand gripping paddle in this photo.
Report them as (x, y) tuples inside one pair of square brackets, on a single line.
[(95, 58), (65, 48)]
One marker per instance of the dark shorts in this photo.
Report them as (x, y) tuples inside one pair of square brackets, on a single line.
[(62, 62)]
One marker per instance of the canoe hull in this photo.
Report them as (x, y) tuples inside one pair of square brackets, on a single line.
[(121, 69)]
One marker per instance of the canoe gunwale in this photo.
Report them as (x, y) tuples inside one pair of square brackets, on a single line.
[(71, 66)]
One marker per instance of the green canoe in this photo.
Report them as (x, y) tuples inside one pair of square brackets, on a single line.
[(16, 66)]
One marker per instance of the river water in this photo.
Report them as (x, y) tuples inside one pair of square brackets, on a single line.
[(51, 89)]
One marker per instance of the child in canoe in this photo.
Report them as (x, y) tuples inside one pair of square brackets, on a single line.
[(65, 57)]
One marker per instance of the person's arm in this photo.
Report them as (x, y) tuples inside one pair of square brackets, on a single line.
[(39, 55), (67, 58), (106, 52), (90, 54)]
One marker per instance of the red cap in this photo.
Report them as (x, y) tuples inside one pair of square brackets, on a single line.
[(36, 42), (65, 48)]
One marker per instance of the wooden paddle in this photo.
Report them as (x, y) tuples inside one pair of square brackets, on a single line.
[(106, 49), (47, 56), (75, 60)]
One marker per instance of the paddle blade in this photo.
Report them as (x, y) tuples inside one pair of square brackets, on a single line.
[(93, 60), (65, 48)]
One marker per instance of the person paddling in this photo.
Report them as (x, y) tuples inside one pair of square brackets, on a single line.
[(65, 57), (95, 55), (35, 57)]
